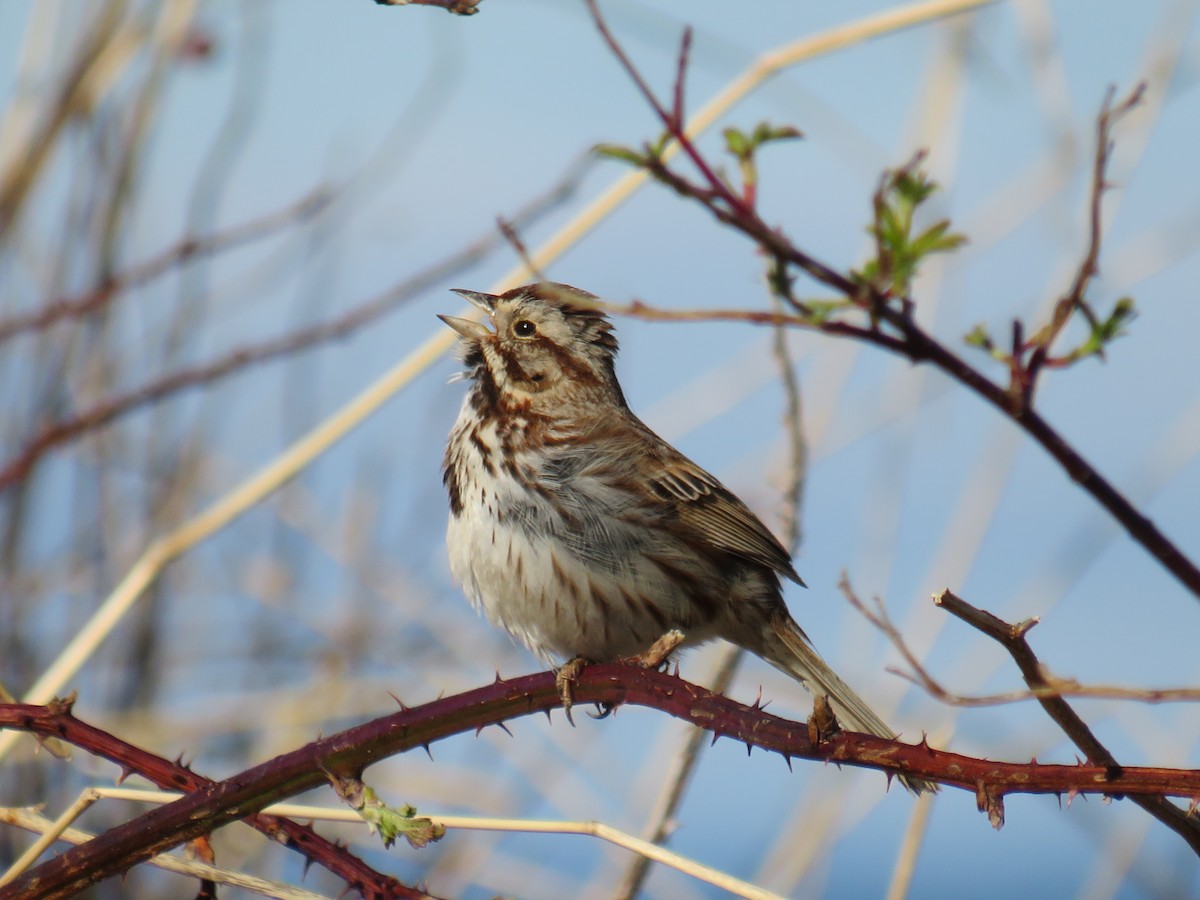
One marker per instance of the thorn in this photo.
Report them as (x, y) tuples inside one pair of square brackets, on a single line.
[(1071, 795), (1033, 761), (716, 734), (428, 752), (400, 703), (749, 747), (924, 744), (890, 777), (787, 759), (1058, 794), (547, 712), (126, 771), (757, 704), (478, 728), (504, 728)]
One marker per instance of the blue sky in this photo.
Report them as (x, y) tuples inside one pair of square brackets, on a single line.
[(441, 124)]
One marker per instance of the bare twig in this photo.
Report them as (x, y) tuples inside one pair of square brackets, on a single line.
[(1075, 299), (1051, 686), (903, 335), (31, 821), (512, 234), (797, 445), (155, 267), (455, 7), (1012, 639)]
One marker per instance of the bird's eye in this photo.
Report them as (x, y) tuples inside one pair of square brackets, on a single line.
[(524, 329)]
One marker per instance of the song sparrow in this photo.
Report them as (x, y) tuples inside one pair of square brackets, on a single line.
[(585, 534)]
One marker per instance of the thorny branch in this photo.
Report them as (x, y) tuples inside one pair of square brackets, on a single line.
[(891, 321), (1043, 687), (1012, 639), (1053, 685), (57, 720), (350, 751)]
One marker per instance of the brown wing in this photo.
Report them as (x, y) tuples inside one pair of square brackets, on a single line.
[(711, 509)]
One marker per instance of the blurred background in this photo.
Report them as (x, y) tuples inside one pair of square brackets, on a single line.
[(251, 210)]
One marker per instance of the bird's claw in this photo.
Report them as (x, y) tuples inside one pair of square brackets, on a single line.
[(564, 680), (660, 651)]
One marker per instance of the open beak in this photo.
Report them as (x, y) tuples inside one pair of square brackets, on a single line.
[(471, 330), (486, 302)]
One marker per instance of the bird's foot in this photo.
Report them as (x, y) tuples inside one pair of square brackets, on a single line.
[(822, 724), (660, 651), (564, 680)]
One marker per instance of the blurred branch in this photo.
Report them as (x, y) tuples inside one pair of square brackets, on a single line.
[(455, 7), (186, 250), (101, 55), (891, 322), (687, 758), (350, 751), (29, 820), (677, 779), (793, 532), (106, 411)]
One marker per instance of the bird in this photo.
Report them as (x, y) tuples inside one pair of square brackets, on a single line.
[(585, 535)]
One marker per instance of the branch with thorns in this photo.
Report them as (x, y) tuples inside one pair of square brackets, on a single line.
[(1052, 686), (175, 776), (1043, 687), (214, 804)]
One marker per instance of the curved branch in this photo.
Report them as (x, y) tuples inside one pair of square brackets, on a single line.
[(1012, 638), (56, 719), (350, 751), (909, 339)]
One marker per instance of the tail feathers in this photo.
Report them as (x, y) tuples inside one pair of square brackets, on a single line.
[(787, 648)]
